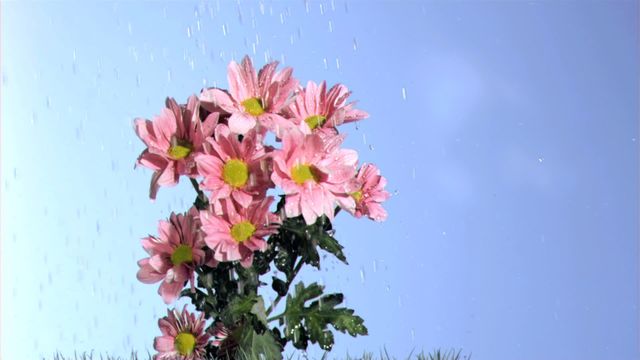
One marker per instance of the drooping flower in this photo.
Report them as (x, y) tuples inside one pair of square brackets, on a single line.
[(316, 108), (253, 98), (173, 139), (174, 254), (370, 194), (183, 336), (234, 169), (238, 232), (314, 173)]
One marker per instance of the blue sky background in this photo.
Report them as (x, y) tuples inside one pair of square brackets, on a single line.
[(508, 132)]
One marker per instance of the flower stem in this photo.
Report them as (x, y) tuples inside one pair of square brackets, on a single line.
[(201, 202), (274, 318), (288, 283)]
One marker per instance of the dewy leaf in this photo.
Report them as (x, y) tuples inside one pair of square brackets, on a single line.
[(330, 244), (259, 310), (238, 307), (279, 286), (312, 321), (254, 346)]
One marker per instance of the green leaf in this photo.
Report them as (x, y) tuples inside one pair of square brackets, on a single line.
[(260, 311), (254, 346), (238, 307), (330, 244), (302, 322), (279, 286)]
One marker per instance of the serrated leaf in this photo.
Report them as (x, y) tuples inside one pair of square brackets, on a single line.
[(312, 321), (330, 244), (254, 346), (259, 310)]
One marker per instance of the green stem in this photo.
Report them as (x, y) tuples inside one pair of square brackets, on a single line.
[(274, 318), (202, 199), (288, 283)]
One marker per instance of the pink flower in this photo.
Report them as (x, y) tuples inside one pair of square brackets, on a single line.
[(234, 168), (174, 255), (237, 233), (314, 173), (370, 194), (252, 98), (315, 108), (173, 139), (183, 336)]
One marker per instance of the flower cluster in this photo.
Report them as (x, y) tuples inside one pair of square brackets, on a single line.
[(218, 140)]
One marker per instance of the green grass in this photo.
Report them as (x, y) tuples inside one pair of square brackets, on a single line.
[(438, 354)]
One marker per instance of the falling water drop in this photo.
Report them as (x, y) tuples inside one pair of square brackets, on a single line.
[(355, 44), (362, 277), (404, 94)]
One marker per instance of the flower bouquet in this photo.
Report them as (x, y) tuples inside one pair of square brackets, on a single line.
[(219, 252)]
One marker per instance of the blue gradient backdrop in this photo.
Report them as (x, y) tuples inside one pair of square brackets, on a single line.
[(508, 132)]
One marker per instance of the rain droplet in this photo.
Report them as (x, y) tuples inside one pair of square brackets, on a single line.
[(325, 63), (404, 94), (337, 64), (540, 160), (355, 44), (189, 32), (224, 29), (362, 277), (330, 26)]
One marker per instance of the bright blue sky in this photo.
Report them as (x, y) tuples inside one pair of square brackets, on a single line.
[(508, 132)]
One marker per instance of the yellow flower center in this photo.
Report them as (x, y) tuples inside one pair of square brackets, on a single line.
[(357, 195), (315, 121), (235, 173), (179, 151), (253, 106), (182, 254), (185, 343), (242, 231), (302, 173)]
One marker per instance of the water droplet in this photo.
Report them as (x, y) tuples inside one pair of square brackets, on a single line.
[(404, 94), (362, 277), (49, 102), (355, 44), (325, 63), (330, 26), (337, 63), (189, 32), (224, 29), (540, 160), (129, 29)]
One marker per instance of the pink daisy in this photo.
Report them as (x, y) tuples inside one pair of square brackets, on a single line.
[(174, 254), (315, 108), (173, 139), (314, 173), (183, 336), (234, 168), (370, 194), (252, 98), (237, 233)]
